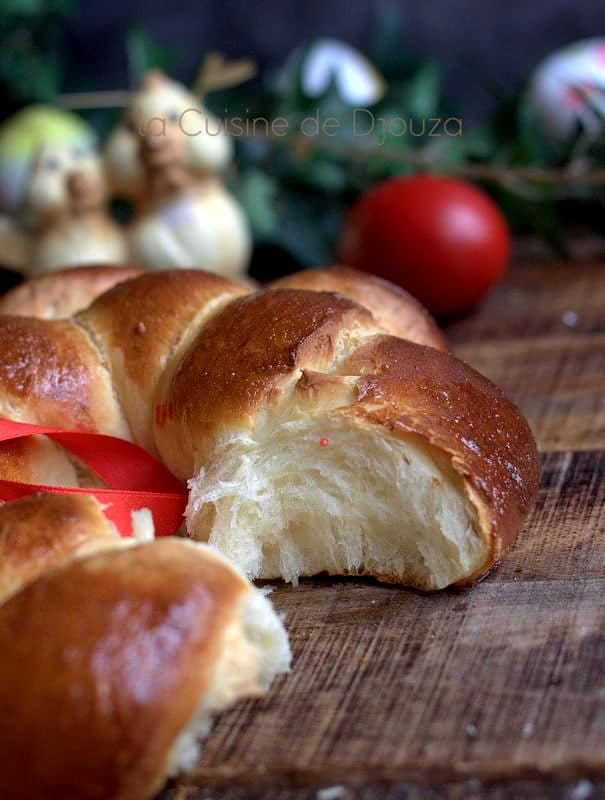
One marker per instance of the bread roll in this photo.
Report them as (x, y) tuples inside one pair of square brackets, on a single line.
[(116, 656), (312, 440), (319, 444)]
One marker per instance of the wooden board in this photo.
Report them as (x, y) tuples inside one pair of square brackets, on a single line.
[(494, 692)]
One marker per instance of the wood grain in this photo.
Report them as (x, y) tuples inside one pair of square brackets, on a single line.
[(495, 692), (558, 382)]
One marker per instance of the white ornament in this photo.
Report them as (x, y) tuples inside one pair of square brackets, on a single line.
[(567, 89), (358, 82)]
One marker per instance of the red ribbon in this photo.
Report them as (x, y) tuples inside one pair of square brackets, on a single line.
[(136, 479)]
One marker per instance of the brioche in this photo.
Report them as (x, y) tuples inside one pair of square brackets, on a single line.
[(63, 293), (37, 459), (39, 532), (116, 655), (328, 446), (313, 439), (393, 308)]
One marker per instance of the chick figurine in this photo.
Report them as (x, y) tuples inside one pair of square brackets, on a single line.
[(53, 192), (166, 155)]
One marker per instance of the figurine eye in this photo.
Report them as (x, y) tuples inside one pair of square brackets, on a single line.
[(173, 116), (51, 165)]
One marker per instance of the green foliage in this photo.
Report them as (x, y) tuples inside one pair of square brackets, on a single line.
[(144, 54), (296, 189), (31, 56)]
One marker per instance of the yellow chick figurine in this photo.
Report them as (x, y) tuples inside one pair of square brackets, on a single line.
[(52, 181), (166, 155)]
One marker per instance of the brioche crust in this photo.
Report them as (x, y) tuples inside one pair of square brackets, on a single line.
[(241, 365), (395, 310), (116, 655), (415, 389), (50, 374), (270, 358), (63, 293), (187, 361), (93, 710), (138, 326), (40, 531), (36, 459)]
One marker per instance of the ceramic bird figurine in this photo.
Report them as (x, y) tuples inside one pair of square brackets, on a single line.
[(53, 187), (167, 155)]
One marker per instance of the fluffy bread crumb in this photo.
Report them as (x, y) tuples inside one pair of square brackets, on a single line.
[(327, 495), (143, 529), (255, 650)]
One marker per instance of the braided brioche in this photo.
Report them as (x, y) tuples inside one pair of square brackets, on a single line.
[(312, 438), (394, 309), (116, 655), (63, 293)]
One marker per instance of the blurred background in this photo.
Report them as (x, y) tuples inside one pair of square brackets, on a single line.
[(530, 99), (480, 44)]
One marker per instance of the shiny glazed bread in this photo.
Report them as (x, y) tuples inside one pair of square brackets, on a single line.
[(313, 439), (116, 655), (60, 294)]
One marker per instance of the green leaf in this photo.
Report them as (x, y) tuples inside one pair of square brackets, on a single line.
[(256, 191), (540, 217), (538, 148), (420, 97), (144, 54)]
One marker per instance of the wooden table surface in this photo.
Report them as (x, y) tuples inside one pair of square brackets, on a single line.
[(493, 692)]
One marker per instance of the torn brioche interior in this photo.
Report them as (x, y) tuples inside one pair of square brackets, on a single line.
[(254, 650), (326, 494)]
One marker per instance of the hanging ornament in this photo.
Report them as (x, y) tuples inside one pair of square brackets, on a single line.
[(566, 94)]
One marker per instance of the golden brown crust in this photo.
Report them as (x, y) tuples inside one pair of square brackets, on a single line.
[(140, 325), (409, 388), (39, 460), (265, 356), (211, 360), (44, 530), (394, 309), (92, 711), (51, 374), (63, 293), (36, 459), (238, 367)]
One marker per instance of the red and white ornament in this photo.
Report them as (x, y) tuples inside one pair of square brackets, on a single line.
[(567, 89)]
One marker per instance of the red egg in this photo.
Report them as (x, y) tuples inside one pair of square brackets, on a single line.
[(444, 240)]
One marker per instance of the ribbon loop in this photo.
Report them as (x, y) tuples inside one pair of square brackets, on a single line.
[(135, 479)]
